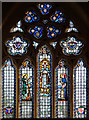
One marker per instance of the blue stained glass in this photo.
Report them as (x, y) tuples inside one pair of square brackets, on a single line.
[(31, 17), (80, 90), (44, 83), (26, 90), (44, 8), (62, 90), (8, 90), (17, 46), (52, 31), (57, 17), (37, 31), (71, 46)]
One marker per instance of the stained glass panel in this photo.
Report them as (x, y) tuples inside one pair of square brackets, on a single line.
[(71, 46), (58, 17), (71, 28), (31, 16), (37, 31), (17, 46), (9, 90), (26, 90), (52, 32), (44, 8), (62, 90), (44, 83), (80, 90), (17, 27)]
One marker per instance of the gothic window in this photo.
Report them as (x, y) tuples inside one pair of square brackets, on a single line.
[(80, 90), (62, 90), (44, 75), (9, 89), (44, 83), (26, 90)]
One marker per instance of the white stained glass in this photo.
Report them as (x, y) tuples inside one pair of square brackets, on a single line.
[(9, 81), (80, 94)]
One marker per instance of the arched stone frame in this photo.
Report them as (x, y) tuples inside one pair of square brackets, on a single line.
[(84, 50)]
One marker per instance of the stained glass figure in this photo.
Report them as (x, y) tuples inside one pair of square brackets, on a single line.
[(44, 83), (44, 8), (35, 44), (26, 90), (53, 44), (17, 46), (71, 27), (80, 90), (9, 89), (71, 46), (31, 17), (62, 94), (17, 27), (37, 31), (52, 32), (58, 17)]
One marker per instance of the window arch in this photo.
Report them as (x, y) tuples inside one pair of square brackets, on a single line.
[(50, 27)]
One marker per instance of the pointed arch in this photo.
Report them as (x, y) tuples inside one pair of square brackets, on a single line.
[(26, 89), (62, 85), (44, 83), (80, 89), (9, 89)]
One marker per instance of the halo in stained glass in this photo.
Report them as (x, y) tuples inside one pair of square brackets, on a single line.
[(71, 27), (44, 83), (17, 27), (31, 16), (17, 46), (44, 8), (36, 32), (71, 46), (26, 89), (52, 32), (62, 89), (80, 90), (58, 17)]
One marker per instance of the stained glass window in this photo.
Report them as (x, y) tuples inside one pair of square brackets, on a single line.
[(26, 90), (62, 90), (17, 46), (35, 44), (71, 28), (44, 8), (53, 44), (52, 32), (44, 83), (80, 90), (17, 27), (71, 46), (37, 31), (58, 17), (9, 89), (31, 16)]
